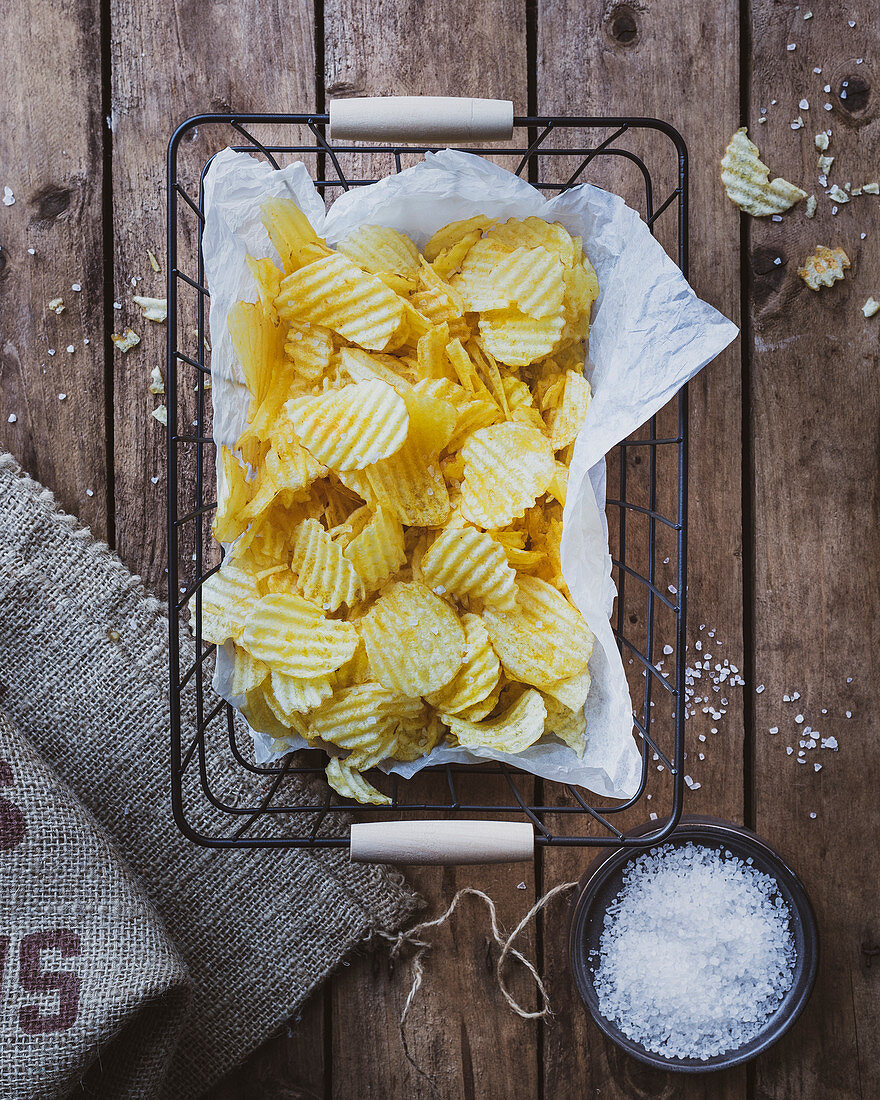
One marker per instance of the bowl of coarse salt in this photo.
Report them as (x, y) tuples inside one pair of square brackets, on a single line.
[(697, 954)]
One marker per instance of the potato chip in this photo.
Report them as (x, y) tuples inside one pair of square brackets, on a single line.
[(465, 370), (566, 419), (450, 235), (416, 737), (234, 491), (381, 250), (228, 597), (349, 783), (377, 551), (262, 718), (535, 233), (531, 279), (571, 692), (489, 372), (432, 359), (521, 725), (506, 468), (476, 281), (326, 577), (364, 719), (520, 404), (247, 672), (747, 180), (414, 640), (439, 303), (468, 562), (356, 669), (289, 467), (259, 345), (544, 640), (309, 348), (292, 695), (568, 725), (334, 292), (365, 366), (558, 486), (350, 428), (268, 279), (477, 678), (581, 290), (824, 267), (472, 411), (290, 231), (516, 339), (484, 708), (410, 484), (449, 261), (292, 635)]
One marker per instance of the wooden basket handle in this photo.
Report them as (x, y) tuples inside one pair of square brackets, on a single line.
[(428, 120), (442, 842)]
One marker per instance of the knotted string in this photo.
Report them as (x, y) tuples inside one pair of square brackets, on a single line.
[(411, 938)]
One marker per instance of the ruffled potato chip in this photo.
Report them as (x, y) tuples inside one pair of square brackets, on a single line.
[(228, 597), (247, 672), (293, 636), (309, 348), (350, 428), (824, 267), (234, 492), (366, 366), (476, 281), (521, 725), (364, 719), (747, 180), (477, 679), (258, 341), (287, 468), (506, 468), (566, 419), (571, 692), (535, 233), (414, 640), (417, 737), (568, 725), (544, 640), (517, 339), (349, 783), (292, 695), (262, 718), (334, 292), (450, 235), (381, 250), (468, 562), (325, 576), (531, 279), (377, 551), (449, 261)]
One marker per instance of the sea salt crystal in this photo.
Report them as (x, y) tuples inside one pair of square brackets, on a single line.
[(789, 749), (667, 649), (829, 743), (759, 689), (849, 714), (798, 718), (774, 729), (812, 813), (696, 952), (791, 46)]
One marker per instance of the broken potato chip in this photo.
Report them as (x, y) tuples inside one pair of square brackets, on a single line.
[(747, 180), (824, 267)]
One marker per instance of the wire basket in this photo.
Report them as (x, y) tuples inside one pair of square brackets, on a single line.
[(646, 511)]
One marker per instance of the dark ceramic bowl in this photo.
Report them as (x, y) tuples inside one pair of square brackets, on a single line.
[(601, 884)]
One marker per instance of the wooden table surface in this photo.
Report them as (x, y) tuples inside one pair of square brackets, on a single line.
[(784, 444)]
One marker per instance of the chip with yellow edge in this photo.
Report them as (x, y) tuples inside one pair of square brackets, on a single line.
[(568, 415), (290, 231), (377, 550), (258, 341), (518, 727), (234, 492), (517, 339), (544, 640), (536, 233), (381, 250), (325, 576), (292, 635), (310, 349), (477, 679), (350, 428), (349, 783), (334, 292), (506, 468), (292, 695), (247, 672), (415, 642), (450, 235), (531, 278), (227, 599), (568, 725), (747, 180), (470, 563)]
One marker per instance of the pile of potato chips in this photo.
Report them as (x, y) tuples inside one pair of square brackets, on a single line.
[(393, 511)]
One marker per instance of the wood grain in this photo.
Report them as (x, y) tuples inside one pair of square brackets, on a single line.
[(51, 157), (691, 54), (815, 431)]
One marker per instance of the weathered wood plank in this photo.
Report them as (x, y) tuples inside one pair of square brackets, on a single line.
[(814, 425), (168, 64), (681, 65), (460, 1032), (51, 153)]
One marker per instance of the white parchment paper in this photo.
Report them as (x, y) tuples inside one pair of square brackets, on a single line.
[(649, 335)]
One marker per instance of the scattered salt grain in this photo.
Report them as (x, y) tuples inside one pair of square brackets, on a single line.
[(778, 261), (849, 714), (799, 718), (791, 46), (90, 492), (817, 71), (12, 418), (8, 197), (789, 749), (851, 22), (520, 886), (849, 679), (828, 106), (32, 252), (804, 105), (812, 813), (817, 767), (62, 396), (76, 287), (667, 649), (827, 88), (70, 349), (774, 729), (829, 743), (696, 952), (808, 15), (759, 689)]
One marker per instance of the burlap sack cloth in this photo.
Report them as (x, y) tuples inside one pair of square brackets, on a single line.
[(141, 966)]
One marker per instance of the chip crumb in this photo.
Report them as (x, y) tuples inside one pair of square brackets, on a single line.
[(157, 383), (872, 188), (154, 309), (127, 340), (57, 305), (870, 307), (824, 163), (161, 414), (154, 263), (838, 194), (812, 203), (8, 197), (821, 141), (798, 123), (824, 267)]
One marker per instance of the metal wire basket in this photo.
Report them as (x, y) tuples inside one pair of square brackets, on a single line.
[(646, 511)]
